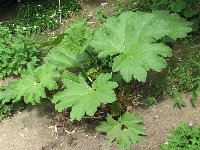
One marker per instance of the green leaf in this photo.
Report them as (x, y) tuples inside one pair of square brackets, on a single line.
[(132, 39), (190, 12), (177, 6), (196, 24), (55, 42), (76, 38), (7, 93), (62, 58), (136, 63), (125, 131), (177, 99), (32, 85), (71, 51), (82, 97), (178, 27)]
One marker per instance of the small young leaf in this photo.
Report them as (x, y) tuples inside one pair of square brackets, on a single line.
[(178, 5), (55, 42), (177, 99), (17, 49), (125, 131), (77, 37)]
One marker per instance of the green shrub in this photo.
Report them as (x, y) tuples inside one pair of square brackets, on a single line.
[(184, 137), (5, 110), (16, 51)]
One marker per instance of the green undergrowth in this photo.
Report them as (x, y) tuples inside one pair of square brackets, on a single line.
[(17, 49), (7, 109), (37, 17), (185, 137), (181, 75)]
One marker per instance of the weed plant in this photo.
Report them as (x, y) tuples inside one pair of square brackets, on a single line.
[(185, 137), (17, 49), (182, 75), (7, 109)]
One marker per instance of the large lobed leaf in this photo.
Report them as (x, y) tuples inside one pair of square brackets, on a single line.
[(62, 58), (7, 93), (125, 131), (77, 37), (70, 51), (178, 27), (132, 39), (32, 85), (84, 99)]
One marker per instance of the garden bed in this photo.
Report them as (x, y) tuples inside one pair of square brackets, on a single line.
[(41, 127), (34, 128)]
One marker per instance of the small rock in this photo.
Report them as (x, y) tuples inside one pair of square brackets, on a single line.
[(86, 135)]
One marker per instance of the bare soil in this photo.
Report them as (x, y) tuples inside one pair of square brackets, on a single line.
[(34, 128)]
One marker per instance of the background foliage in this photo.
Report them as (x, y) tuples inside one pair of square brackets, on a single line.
[(37, 17), (17, 49), (188, 9), (185, 136)]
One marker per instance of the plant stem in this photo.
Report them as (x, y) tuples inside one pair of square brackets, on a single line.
[(196, 46), (94, 60), (86, 74), (60, 14)]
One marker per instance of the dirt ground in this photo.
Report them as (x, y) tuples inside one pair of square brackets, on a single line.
[(33, 129)]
